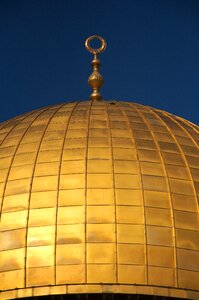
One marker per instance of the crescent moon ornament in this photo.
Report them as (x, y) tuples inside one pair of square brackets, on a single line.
[(95, 50)]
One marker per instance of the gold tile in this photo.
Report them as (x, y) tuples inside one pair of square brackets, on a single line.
[(70, 234), (188, 239), (129, 197), (99, 166), (103, 214), (158, 216), (173, 159), (20, 186), (164, 137), (188, 279), (74, 181), (129, 274), (40, 276), (45, 183), (12, 239), (12, 278), (100, 233), (9, 295), (99, 180), (73, 133), (14, 220), (42, 217), (126, 142), (72, 254), (40, 291), (157, 199), (43, 199), (98, 142), (12, 260), (145, 144), (74, 143), (119, 125), (24, 159), (148, 155), (71, 197), (144, 290), (181, 186), (192, 294), (7, 151), (5, 162), (162, 236), (127, 181), (126, 289), (188, 259), (103, 253), (3, 174), (40, 256), (71, 215), (99, 153), (103, 273), (195, 174), (130, 214), (178, 172), (100, 196), (28, 147), (84, 289), (69, 274), (126, 166), (161, 256), (186, 220), (161, 276), (15, 203), (121, 132), (72, 166), (128, 233), (98, 132), (51, 144), (41, 236), (124, 154), (177, 293), (20, 172), (154, 183), (131, 254), (169, 147), (73, 154), (47, 168), (58, 290), (150, 168), (98, 123), (184, 202), (192, 161)]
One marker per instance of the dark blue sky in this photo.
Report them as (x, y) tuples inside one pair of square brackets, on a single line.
[(152, 55)]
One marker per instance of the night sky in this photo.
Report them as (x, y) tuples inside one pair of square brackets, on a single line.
[(152, 55)]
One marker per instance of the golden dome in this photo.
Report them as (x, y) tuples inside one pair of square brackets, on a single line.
[(99, 197)]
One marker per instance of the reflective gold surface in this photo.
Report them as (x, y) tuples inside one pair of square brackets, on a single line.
[(99, 196)]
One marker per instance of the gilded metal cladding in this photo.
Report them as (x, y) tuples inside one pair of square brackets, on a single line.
[(99, 194)]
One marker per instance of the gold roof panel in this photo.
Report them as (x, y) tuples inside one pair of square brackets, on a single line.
[(99, 197)]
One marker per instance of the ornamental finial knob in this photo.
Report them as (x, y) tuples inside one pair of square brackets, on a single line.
[(95, 80)]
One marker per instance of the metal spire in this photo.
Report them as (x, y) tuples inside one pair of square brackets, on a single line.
[(95, 80)]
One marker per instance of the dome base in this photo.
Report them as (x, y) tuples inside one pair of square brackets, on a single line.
[(100, 292)]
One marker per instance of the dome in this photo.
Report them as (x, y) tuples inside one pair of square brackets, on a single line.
[(99, 197)]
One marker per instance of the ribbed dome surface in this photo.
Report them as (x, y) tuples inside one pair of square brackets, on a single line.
[(99, 196)]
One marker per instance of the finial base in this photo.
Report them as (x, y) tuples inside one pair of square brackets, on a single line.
[(95, 96)]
